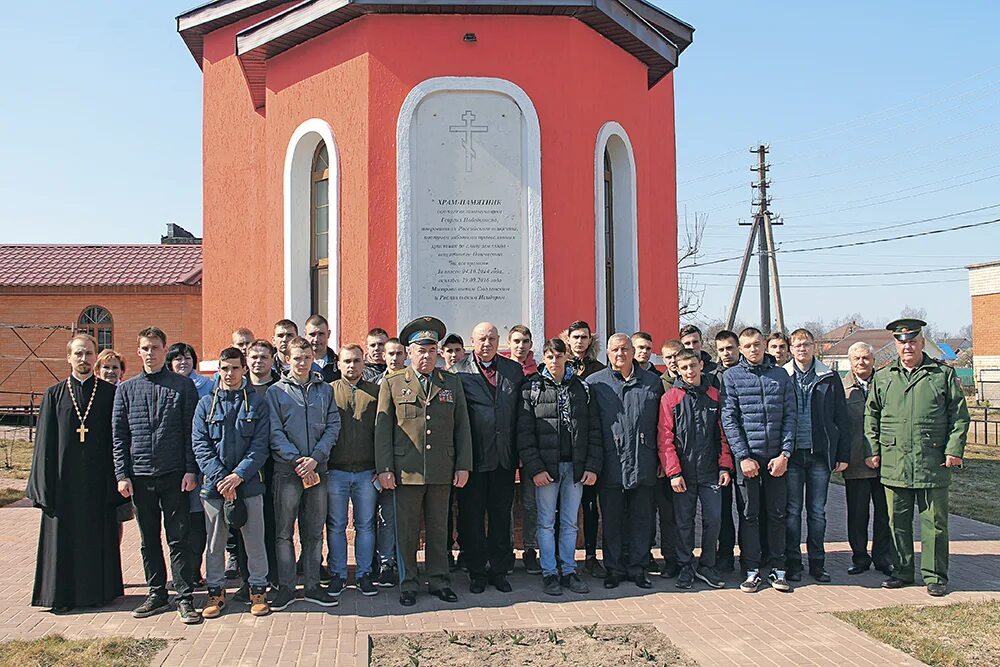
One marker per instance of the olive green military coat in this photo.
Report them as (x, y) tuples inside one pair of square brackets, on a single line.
[(422, 439), (912, 420)]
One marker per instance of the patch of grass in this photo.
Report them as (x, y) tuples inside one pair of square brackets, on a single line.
[(15, 458), (956, 635), (53, 650), (8, 496), (975, 487)]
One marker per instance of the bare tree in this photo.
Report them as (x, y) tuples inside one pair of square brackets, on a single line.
[(690, 292)]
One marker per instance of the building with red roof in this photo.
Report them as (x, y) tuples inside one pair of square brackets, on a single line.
[(48, 291)]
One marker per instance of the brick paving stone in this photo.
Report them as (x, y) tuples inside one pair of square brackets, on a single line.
[(723, 627)]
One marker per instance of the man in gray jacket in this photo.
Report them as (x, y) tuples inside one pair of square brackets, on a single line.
[(305, 423)]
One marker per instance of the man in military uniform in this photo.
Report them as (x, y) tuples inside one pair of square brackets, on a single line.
[(916, 424), (423, 446)]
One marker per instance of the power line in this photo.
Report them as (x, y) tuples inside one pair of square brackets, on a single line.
[(866, 285), (895, 238), (858, 243), (868, 274), (905, 223)]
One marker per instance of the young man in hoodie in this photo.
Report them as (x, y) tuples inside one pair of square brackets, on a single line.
[(695, 457), (375, 364), (230, 440), (305, 423), (758, 417), (821, 446), (317, 332)]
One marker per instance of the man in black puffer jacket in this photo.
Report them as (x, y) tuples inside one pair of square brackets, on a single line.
[(155, 466), (559, 440)]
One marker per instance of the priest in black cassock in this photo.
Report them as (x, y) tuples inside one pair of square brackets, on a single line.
[(73, 482)]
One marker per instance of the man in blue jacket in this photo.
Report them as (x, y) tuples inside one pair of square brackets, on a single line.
[(155, 466), (758, 416), (628, 406), (230, 440), (821, 447), (305, 423)]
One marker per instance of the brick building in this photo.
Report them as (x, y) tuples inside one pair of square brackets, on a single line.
[(48, 291), (984, 290)]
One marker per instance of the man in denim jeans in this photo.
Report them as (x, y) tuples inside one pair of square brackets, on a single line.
[(559, 440), (305, 423), (821, 446), (352, 473)]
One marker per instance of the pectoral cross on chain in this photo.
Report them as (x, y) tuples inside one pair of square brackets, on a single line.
[(468, 129), (83, 432)]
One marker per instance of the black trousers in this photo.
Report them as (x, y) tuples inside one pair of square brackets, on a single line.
[(727, 528), (862, 496), (197, 540), (664, 509), (488, 496), (628, 515), (591, 519), (160, 503), (763, 495)]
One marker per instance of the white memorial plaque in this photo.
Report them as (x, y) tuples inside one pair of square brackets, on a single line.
[(468, 240)]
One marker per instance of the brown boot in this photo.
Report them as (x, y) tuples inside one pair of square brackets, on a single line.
[(215, 604), (258, 602)]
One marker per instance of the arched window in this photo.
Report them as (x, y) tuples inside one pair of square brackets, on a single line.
[(320, 243), (609, 245), (97, 322), (616, 233)]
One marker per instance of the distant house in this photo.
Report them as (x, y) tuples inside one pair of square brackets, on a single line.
[(984, 291), (831, 338), (881, 340), (959, 345), (50, 291)]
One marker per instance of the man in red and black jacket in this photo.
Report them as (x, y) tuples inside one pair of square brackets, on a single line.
[(695, 457)]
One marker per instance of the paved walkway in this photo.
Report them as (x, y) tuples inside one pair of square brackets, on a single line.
[(723, 627)]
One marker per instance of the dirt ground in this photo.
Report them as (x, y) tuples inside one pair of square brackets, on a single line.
[(594, 646)]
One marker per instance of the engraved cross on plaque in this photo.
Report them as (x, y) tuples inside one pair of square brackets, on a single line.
[(467, 130)]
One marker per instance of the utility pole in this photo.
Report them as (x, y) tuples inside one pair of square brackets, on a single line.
[(761, 232)]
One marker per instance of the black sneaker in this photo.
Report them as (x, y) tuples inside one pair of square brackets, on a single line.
[(283, 597), (710, 577), (573, 582), (752, 583), (670, 569), (387, 578), (152, 605), (324, 574), (551, 585), (685, 578), (189, 615), (242, 596), (335, 586), (593, 567), (778, 581), (366, 586), (321, 597), (530, 559), (653, 567)]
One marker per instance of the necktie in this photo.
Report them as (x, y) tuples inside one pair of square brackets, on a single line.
[(424, 382)]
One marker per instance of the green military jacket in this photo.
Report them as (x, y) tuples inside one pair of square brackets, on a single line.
[(422, 439), (913, 420)]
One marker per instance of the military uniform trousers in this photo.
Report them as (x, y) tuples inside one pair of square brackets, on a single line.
[(933, 507), (430, 502)]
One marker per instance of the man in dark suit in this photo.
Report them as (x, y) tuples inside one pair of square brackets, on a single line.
[(492, 386)]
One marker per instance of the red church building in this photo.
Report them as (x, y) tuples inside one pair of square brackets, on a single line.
[(511, 161)]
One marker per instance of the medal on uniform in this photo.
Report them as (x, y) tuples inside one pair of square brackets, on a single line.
[(82, 430), (446, 396)]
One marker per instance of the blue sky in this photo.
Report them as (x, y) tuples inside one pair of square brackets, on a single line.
[(876, 113)]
